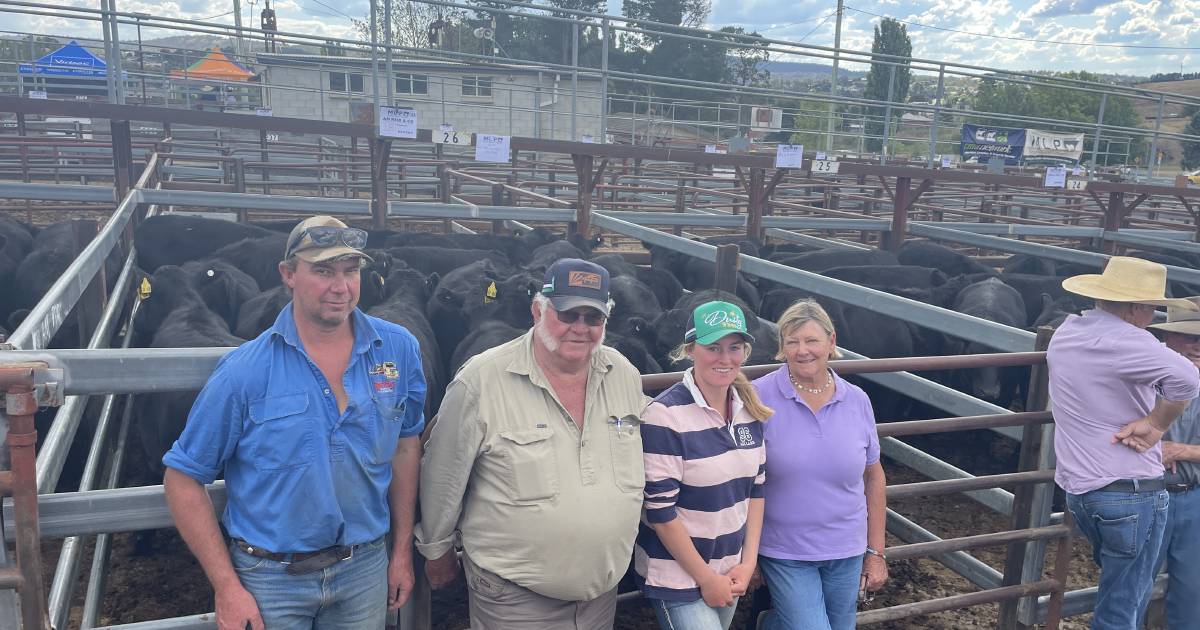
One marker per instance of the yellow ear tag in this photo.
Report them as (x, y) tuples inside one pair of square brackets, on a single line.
[(144, 289), (490, 294)]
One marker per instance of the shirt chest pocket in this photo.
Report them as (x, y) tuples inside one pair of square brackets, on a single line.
[(532, 466), (388, 420), (625, 440), (280, 434)]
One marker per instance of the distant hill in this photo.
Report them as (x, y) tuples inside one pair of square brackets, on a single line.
[(797, 70)]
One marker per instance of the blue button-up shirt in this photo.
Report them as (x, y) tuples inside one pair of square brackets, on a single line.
[(301, 476)]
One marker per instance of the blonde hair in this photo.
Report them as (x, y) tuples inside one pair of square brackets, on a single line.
[(799, 314), (742, 385)]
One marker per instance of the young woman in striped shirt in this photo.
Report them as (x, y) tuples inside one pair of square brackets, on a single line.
[(697, 545)]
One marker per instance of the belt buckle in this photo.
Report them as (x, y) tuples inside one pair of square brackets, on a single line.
[(1179, 487), (350, 554)]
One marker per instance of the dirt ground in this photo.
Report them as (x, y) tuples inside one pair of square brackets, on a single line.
[(169, 582)]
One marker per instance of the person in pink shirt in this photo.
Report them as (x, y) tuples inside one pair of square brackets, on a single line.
[(702, 441), (1114, 391), (823, 525)]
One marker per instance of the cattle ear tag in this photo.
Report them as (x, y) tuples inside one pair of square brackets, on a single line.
[(144, 289), (210, 273), (490, 294)]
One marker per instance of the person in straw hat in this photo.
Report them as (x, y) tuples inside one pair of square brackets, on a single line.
[(1180, 550), (1114, 391)]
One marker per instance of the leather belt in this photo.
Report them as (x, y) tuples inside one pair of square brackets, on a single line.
[(1135, 485), (1180, 487), (335, 552)]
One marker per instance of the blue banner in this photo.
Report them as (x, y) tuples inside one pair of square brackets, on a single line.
[(984, 143)]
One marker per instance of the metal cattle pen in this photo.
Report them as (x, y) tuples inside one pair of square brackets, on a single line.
[(86, 372)]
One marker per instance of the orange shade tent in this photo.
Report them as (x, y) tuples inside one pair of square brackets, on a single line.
[(217, 67)]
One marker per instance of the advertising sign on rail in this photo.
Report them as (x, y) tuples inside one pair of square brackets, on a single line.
[(1048, 147), (984, 143)]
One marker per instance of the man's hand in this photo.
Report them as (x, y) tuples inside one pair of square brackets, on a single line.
[(1140, 435), (400, 578), (1173, 452), (717, 590), (443, 571), (740, 577), (236, 609)]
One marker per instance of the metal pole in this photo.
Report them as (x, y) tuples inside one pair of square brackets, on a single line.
[(387, 51), (937, 110), (119, 70), (374, 58), (574, 78), (239, 45), (108, 67), (1099, 124), (605, 33), (833, 76), (1152, 162), (887, 114)]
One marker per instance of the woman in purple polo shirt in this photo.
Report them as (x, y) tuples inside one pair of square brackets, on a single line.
[(703, 443), (823, 524)]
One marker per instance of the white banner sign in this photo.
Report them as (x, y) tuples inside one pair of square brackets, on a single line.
[(710, 148), (490, 148), (39, 94), (1067, 146), (397, 122), (789, 156), (1056, 177), (263, 111)]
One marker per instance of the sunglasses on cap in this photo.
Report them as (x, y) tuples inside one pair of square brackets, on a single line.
[(591, 317), (326, 235)]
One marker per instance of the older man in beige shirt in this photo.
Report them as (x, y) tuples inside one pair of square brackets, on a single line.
[(535, 464)]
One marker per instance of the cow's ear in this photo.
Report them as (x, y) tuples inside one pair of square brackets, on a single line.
[(532, 287), (1046, 301), (432, 281), (637, 325)]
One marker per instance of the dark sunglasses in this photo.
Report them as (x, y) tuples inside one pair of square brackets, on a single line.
[(591, 317), (326, 235)]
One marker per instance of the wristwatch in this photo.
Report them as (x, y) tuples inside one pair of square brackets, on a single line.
[(873, 552)]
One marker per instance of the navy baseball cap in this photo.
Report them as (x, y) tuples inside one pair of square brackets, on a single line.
[(572, 283)]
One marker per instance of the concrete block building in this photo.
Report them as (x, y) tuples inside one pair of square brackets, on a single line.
[(505, 99)]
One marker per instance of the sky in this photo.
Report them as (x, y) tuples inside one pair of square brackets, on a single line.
[(1122, 36)]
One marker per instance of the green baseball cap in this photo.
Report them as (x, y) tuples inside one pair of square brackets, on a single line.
[(713, 320)]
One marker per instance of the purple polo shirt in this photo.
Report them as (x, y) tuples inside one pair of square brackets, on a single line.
[(815, 508), (1104, 374)]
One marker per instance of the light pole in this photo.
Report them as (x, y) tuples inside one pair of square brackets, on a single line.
[(141, 57)]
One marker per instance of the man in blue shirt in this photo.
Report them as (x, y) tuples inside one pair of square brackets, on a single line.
[(316, 425)]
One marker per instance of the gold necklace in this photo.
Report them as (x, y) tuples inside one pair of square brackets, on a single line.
[(813, 390)]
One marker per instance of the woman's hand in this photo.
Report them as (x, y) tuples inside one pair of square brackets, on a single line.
[(717, 590), (875, 572), (741, 576)]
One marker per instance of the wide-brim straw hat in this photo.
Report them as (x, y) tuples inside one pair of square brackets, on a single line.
[(1128, 279), (1180, 320)]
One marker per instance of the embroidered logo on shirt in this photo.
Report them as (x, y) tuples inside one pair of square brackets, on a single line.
[(385, 386), (387, 369), (744, 436)]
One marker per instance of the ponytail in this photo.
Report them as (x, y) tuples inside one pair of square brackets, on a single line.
[(750, 400)]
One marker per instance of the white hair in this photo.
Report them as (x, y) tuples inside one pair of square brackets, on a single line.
[(539, 328)]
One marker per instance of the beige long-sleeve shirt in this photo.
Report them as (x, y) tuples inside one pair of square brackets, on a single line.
[(536, 500)]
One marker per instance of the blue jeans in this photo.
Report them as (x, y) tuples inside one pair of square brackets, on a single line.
[(1126, 531), (349, 595), (1181, 553), (811, 595), (695, 615)]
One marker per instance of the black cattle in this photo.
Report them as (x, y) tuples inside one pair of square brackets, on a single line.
[(778, 301), (784, 249), (173, 239), (519, 249), (258, 257), (697, 274), (15, 243), (995, 301), (405, 305), (223, 287), (748, 246), (259, 312), (888, 277), (456, 292), (507, 300), (173, 316), (950, 262), (1075, 269), (487, 335), (633, 301), (616, 265), (663, 283), (547, 254), (442, 261), (634, 349), (1055, 310), (823, 259), (1032, 287), (1027, 264)]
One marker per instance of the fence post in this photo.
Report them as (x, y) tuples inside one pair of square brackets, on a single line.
[(122, 148), (265, 156), (443, 175), (20, 405), (1031, 502), (497, 200), (380, 150), (680, 208), (1114, 215), (757, 199), (900, 214), (725, 278), (239, 185), (583, 198)]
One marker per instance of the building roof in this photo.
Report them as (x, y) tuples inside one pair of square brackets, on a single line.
[(217, 66), (71, 60), (409, 65)]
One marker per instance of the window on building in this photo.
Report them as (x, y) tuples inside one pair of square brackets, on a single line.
[(477, 86), (338, 81), (412, 84)]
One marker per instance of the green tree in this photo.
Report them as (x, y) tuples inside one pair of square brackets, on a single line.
[(411, 26), (996, 100), (746, 65), (891, 38), (1191, 150), (664, 53)]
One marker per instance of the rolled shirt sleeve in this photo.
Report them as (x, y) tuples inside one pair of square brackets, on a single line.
[(414, 412), (213, 428), (663, 455), (446, 469)]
